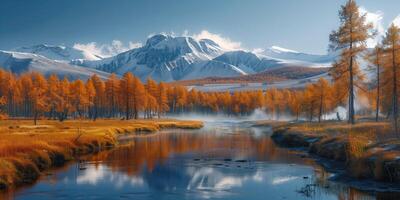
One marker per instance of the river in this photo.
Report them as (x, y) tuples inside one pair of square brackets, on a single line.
[(223, 160)]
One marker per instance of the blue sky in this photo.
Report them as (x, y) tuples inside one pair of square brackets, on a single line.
[(249, 24)]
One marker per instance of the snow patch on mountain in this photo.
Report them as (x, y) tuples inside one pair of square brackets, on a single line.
[(291, 56), (248, 62), (18, 63), (281, 49), (59, 53), (212, 68)]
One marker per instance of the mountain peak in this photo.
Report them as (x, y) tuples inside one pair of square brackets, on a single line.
[(157, 38), (204, 48)]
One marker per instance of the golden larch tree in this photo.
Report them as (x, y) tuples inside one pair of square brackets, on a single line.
[(162, 99), (375, 59), (53, 95), (91, 95), (322, 95), (79, 97), (126, 94), (112, 87), (350, 40), (38, 96), (391, 45)]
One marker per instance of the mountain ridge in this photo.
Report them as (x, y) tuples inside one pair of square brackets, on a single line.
[(18, 63), (59, 52), (172, 58)]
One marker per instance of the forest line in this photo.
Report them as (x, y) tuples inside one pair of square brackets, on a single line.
[(32, 95)]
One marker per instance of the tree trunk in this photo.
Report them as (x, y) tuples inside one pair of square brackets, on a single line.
[(351, 92), (377, 92), (127, 108), (394, 100), (338, 116), (35, 118), (320, 107)]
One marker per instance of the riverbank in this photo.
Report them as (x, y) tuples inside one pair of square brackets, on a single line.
[(367, 150), (27, 150)]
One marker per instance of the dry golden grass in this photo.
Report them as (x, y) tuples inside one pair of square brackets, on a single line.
[(367, 147), (362, 128), (26, 150)]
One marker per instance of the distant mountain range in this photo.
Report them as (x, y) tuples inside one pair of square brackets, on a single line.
[(18, 62), (59, 53), (163, 58)]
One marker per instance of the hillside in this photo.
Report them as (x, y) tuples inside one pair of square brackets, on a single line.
[(268, 76)]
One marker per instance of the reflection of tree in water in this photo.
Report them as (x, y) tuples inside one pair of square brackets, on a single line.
[(320, 184), (149, 157), (148, 151)]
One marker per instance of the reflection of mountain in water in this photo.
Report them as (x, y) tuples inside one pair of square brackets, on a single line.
[(150, 150), (227, 161), (187, 177)]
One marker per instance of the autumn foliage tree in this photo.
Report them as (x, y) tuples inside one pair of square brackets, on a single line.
[(322, 94), (126, 94), (39, 99), (112, 94), (350, 39), (376, 63), (79, 98), (162, 99), (64, 103), (391, 72)]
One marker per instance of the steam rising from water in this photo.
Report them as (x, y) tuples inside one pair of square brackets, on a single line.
[(260, 114), (257, 115)]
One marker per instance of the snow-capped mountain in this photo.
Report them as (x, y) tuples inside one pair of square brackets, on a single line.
[(291, 56), (18, 62), (163, 58), (59, 53), (248, 62), (169, 58)]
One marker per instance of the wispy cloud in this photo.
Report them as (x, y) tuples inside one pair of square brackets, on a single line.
[(224, 42), (376, 19), (396, 21), (107, 50), (258, 50)]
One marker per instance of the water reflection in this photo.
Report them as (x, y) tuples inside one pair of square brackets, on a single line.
[(224, 160)]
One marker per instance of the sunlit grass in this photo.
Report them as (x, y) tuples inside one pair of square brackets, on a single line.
[(369, 149), (26, 150)]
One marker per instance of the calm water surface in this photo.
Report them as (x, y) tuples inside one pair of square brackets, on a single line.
[(224, 160)]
